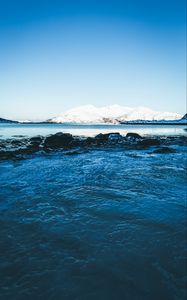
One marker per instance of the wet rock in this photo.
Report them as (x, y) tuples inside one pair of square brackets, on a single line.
[(133, 135), (58, 140), (89, 141), (76, 142), (4, 154), (183, 140), (174, 140), (9, 155), (35, 143), (3, 144), (36, 139), (115, 137), (33, 147), (17, 143), (164, 150), (149, 142), (11, 148), (103, 138)]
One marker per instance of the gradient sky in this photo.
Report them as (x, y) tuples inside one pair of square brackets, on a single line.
[(55, 55)]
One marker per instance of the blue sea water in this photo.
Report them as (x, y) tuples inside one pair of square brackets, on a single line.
[(106, 224), (9, 130)]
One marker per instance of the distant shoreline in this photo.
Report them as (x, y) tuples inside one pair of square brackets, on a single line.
[(154, 123), (121, 123)]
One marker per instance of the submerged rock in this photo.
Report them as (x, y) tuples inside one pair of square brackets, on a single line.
[(76, 152), (164, 150), (58, 140), (149, 142)]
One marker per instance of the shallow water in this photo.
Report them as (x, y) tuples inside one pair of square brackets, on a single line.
[(9, 130), (105, 224)]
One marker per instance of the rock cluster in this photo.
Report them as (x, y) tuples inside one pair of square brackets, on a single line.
[(18, 148)]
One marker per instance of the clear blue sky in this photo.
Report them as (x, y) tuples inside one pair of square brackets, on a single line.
[(55, 55)]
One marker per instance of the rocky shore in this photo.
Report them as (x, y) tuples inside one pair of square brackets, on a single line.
[(18, 148)]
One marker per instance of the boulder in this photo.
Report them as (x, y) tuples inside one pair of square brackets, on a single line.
[(36, 139), (89, 141), (133, 135), (34, 146), (76, 142), (102, 137), (35, 142), (115, 137), (108, 136), (58, 140), (16, 143)]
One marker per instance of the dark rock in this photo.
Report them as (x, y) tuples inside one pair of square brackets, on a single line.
[(149, 142), (184, 117), (37, 139), (9, 155), (33, 146), (115, 137), (164, 150), (58, 140), (89, 141), (3, 143), (133, 135), (183, 140), (17, 142), (35, 143), (102, 138), (76, 143), (4, 154)]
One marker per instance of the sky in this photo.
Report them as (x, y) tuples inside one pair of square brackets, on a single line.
[(55, 55)]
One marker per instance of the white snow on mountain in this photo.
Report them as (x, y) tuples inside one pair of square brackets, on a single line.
[(111, 114), (25, 121)]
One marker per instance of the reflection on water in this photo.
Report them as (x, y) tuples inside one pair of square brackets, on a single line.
[(9, 130)]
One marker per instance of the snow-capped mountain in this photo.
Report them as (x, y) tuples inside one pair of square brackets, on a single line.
[(111, 114)]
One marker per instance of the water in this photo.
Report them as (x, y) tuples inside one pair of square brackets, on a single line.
[(103, 225), (9, 130)]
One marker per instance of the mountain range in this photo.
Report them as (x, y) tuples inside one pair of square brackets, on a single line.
[(114, 114), (89, 114)]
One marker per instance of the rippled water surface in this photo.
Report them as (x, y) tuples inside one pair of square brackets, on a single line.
[(10, 130), (105, 224)]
